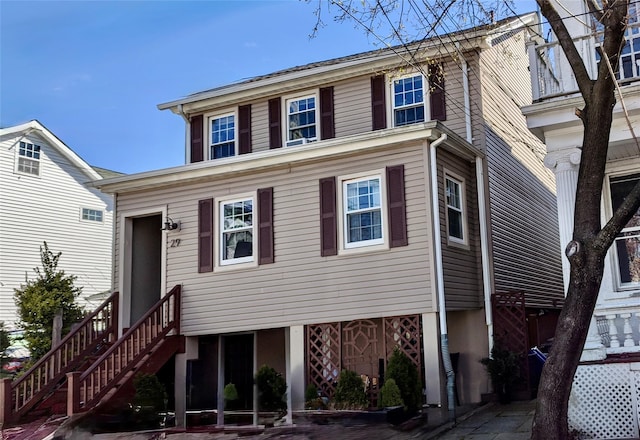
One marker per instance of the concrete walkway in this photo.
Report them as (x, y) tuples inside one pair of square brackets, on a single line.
[(492, 421)]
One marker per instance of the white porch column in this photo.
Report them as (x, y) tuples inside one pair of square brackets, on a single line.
[(565, 166), (294, 342), (180, 376), (431, 347)]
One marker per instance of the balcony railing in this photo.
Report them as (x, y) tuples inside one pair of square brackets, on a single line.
[(550, 72), (619, 329)]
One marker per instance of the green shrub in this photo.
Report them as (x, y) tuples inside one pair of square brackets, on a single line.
[(390, 394), (272, 389), (230, 394), (405, 373), (150, 392), (350, 391), (311, 393), (503, 368)]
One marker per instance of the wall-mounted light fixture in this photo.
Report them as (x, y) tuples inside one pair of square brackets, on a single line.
[(170, 225)]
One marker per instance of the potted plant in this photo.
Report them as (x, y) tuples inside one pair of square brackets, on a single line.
[(272, 390), (391, 401), (503, 368), (405, 374), (230, 394)]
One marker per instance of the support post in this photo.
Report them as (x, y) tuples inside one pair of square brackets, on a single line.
[(73, 393), (5, 402)]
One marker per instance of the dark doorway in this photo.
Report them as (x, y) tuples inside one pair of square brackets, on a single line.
[(146, 259), (238, 368)]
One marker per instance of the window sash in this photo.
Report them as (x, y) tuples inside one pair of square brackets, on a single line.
[(223, 136), (93, 215), (409, 100), (301, 120), (627, 242), (29, 158), (236, 230), (363, 217), (455, 212)]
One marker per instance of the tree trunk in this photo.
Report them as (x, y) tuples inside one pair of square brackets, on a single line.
[(586, 257)]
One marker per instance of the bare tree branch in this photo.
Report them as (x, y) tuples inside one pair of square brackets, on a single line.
[(620, 218)]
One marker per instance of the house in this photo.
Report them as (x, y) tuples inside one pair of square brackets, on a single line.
[(608, 376), (327, 214), (43, 197)]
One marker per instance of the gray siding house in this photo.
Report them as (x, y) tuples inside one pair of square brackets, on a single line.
[(331, 212)]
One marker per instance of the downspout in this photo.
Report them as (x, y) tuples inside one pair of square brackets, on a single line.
[(482, 207), (484, 249), (442, 312), (467, 99), (187, 134)]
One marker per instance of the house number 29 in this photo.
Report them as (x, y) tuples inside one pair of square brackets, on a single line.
[(175, 242)]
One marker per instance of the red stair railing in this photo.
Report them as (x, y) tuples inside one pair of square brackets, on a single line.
[(101, 326), (88, 388)]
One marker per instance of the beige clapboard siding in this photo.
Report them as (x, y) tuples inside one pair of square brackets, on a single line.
[(352, 104), (461, 265), (525, 230), (259, 126), (522, 191), (301, 286)]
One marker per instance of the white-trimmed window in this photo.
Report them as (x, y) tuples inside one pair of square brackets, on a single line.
[(627, 242), (222, 136), (362, 211), (92, 215), (301, 120), (456, 217), (408, 98), (237, 229), (29, 159)]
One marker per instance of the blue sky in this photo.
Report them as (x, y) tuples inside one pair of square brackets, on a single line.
[(93, 72)]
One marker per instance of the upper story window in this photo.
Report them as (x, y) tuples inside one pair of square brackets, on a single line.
[(363, 215), (408, 100), (93, 215), (629, 60), (222, 139), (301, 120), (29, 159), (627, 242), (237, 229), (454, 192)]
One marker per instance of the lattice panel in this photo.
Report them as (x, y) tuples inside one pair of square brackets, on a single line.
[(604, 401), (404, 332), (510, 329), (360, 354), (323, 356)]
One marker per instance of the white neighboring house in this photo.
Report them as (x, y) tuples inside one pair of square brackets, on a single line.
[(43, 197), (605, 398)]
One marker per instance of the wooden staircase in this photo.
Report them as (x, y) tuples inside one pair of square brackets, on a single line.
[(90, 365)]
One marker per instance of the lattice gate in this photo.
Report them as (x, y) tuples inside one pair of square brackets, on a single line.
[(360, 346), (604, 402), (510, 331)]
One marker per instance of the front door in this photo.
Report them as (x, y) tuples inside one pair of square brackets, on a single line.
[(146, 258)]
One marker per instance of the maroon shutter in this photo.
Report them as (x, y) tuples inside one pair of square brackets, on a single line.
[(328, 217), (205, 235), (397, 206), (197, 150), (378, 107), (275, 131), (436, 93), (327, 126), (244, 129), (265, 226)]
